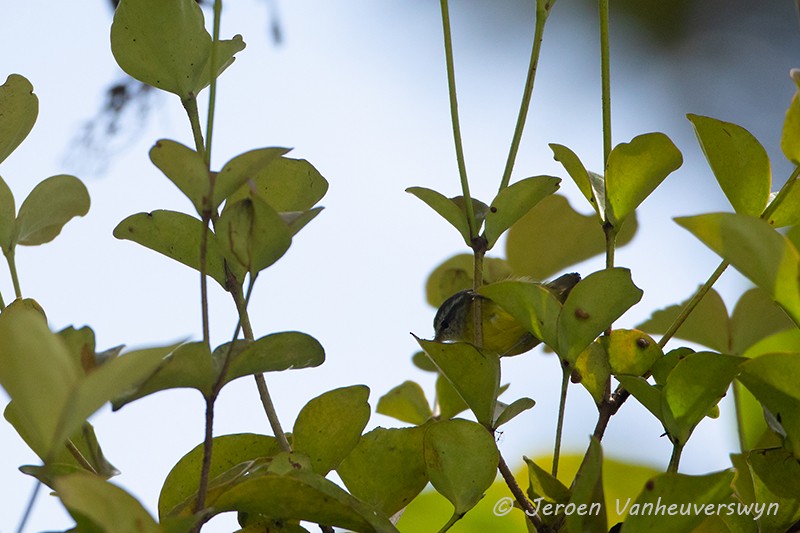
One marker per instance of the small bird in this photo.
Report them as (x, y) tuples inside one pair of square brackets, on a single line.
[(502, 334)]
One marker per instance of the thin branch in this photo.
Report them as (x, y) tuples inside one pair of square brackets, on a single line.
[(562, 404), (519, 495)]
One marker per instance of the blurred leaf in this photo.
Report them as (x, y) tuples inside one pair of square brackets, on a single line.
[(182, 482), (787, 340), (776, 484), (630, 351), (755, 317), (19, 108), (455, 274), (634, 170), (448, 399), (587, 489), (177, 236), (773, 378), (590, 184), (461, 461), (554, 236), (8, 217), (286, 184), (48, 207), (446, 208), (513, 202), (593, 371), (166, 45), (706, 325), (738, 161), (387, 468), (330, 425), (253, 234), (592, 306), (475, 375), (407, 403), (511, 411), (531, 304), (756, 250), (787, 213), (302, 495), (679, 489), (242, 168), (694, 386), (274, 353), (790, 137), (107, 506), (185, 168)]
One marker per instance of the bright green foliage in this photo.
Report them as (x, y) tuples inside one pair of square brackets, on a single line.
[(447, 209), (177, 236), (738, 161), (554, 236), (787, 213), (50, 205), (474, 374), (455, 274), (531, 304), (630, 351), (756, 250), (329, 426), (252, 234), (274, 353), (186, 169), (104, 505), (513, 202), (387, 468), (449, 400), (19, 108), (287, 185), (678, 489), (180, 487), (634, 170), (593, 370), (790, 138), (542, 484), (166, 45), (406, 402), (775, 476), (249, 165), (589, 183), (461, 460), (587, 490), (772, 378)]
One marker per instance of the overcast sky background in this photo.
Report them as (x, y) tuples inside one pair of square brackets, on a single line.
[(359, 89)]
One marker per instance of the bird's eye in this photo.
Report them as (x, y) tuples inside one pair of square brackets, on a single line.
[(444, 325)]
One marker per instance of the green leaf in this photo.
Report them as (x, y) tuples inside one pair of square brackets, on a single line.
[(242, 168), (180, 487), (756, 317), (38, 374), (329, 426), (407, 403), (166, 45), (50, 205), (542, 484), (455, 274), (663, 367), (776, 484), (630, 351), (593, 371), (274, 353), (738, 161), (756, 250), (185, 168), (554, 236), (511, 411), (297, 220), (446, 208), (8, 217), (461, 460), (587, 489), (787, 213), (634, 170), (772, 378), (188, 366), (448, 399), (253, 234), (302, 495), (107, 506), (664, 490), (475, 375), (590, 184), (591, 307), (648, 395), (694, 386), (177, 236), (790, 137), (423, 362), (387, 468), (285, 184), (513, 202), (19, 108)]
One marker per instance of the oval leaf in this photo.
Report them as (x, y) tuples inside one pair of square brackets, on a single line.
[(738, 161), (446, 208), (591, 185), (634, 170), (407, 403), (285, 184), (242, 168), (185, 168), (513, 202), (50, 205), (631, 351), (19, 108), (274, 353), (329, 426), (593, 371)]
